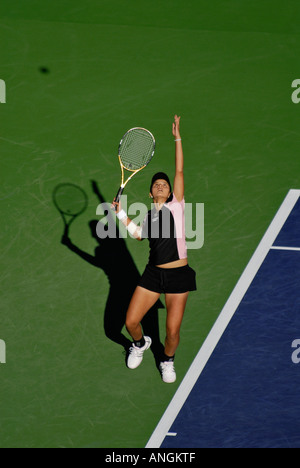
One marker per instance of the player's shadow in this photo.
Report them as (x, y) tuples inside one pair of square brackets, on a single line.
[(113, 257)]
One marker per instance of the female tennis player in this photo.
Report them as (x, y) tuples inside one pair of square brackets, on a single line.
[(168, 271)]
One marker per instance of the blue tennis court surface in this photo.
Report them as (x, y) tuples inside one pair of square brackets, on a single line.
[(243, 388)]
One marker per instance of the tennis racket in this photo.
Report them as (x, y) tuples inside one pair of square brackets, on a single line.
[(71, 201), (136, 149)]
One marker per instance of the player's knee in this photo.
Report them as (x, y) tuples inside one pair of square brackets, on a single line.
[(131, 324)]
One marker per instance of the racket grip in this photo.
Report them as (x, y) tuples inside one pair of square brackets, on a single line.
[(118, 196)]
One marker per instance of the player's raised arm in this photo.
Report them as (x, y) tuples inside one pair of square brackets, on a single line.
[(179, 164)]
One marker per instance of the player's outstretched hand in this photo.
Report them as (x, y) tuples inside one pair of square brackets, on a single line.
[(176, 127)]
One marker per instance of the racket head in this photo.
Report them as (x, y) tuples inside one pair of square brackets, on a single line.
[(70, 199), (136, 149)]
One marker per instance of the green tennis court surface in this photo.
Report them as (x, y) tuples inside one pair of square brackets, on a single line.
[(78, 75)]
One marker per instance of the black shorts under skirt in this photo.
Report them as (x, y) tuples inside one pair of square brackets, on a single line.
[(169, 280)]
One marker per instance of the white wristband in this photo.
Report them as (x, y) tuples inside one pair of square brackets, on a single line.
[(121, 215), (179, 139), (131, 228)]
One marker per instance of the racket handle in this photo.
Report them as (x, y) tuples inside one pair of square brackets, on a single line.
[(118, 196)]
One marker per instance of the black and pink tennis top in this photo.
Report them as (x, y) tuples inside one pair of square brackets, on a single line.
[(165, 230)]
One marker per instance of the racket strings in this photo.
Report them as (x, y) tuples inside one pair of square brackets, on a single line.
[(136, 149)]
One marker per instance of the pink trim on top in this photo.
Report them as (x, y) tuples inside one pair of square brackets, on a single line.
[(177, 210)]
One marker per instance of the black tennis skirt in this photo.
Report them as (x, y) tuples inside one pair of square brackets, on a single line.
[(169, 280)]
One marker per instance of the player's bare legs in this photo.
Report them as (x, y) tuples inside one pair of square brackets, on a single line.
[(175, 310), (141, 302)]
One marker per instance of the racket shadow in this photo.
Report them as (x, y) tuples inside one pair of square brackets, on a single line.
[(113, 257)]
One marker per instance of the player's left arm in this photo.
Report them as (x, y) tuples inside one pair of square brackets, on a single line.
[(179, 162)]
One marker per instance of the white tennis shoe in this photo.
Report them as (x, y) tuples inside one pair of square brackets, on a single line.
[(136, 354), (168, 373)]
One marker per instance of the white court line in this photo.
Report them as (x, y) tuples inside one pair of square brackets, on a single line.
[(295, 249), (223, 320)]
